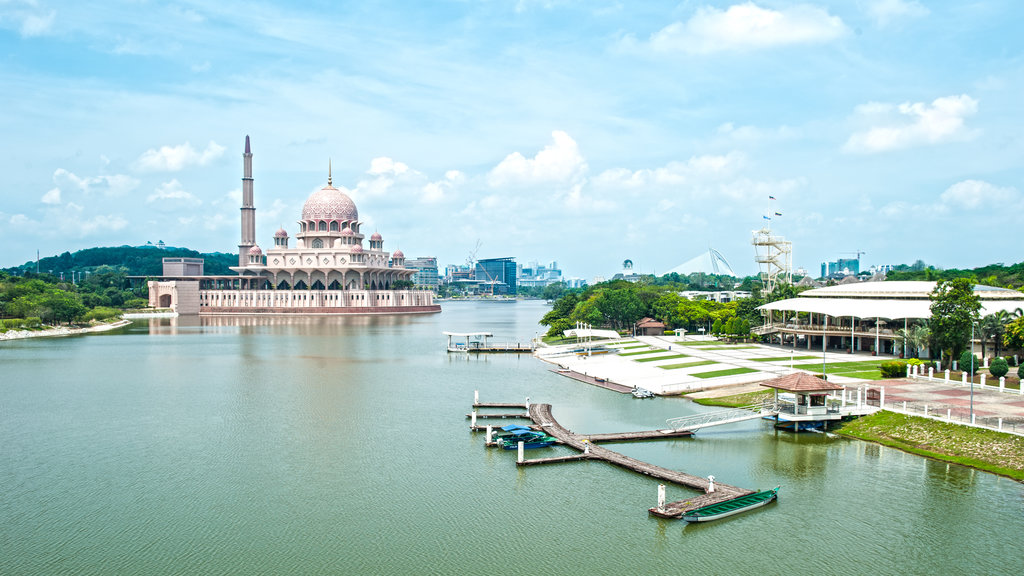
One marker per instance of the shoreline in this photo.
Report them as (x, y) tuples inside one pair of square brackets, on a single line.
[(54, 332)]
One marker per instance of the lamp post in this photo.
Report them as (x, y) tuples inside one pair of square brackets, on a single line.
[(972, 372), (824, 338)]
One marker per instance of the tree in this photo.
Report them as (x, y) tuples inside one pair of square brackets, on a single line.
[(716, 328), (968, 362), (914, 338), (621, 307), (1014, 335), (998, 367), (994, 326), (954, 310)]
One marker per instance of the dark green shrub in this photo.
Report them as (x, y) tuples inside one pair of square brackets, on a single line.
[(998, 367), (1020, 373), (965, 363), (893, 369), (1010, 361)]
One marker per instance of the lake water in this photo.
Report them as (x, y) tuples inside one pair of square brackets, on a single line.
[(341, 446)]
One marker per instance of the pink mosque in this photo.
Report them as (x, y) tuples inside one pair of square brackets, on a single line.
[(327, 272)]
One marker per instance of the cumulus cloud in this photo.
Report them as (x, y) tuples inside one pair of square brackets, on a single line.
[(748, 27), (971, 194), (175, 158), (28, 17), (108, 185), (886, 12), (672, 174), (912, 124), (172, 192), (386, 166), (51, 197), (434, 192), (558, 162)]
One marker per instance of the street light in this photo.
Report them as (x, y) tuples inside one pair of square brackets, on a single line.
[(972, 372)]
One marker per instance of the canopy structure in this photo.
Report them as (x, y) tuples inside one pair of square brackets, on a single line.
[(590, 333)]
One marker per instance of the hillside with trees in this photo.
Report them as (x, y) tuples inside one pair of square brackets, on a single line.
[(135, 260), (999, 275)]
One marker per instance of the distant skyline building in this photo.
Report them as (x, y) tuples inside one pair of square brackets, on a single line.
[(841, 267), (496, 275), (426, 271), (539, 275)]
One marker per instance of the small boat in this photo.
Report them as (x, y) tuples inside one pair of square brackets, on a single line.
[(733, 506), (530, 439), (639, 392), (506, 431)]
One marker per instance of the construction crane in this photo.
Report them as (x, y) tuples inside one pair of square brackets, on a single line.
[(858, 252), (471, 259)]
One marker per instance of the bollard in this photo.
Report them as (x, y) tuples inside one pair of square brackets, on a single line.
[(908, 370), (527, 403), (949, 413), (985, 362), (711, 484), (938, 365), (972, 418), (1002, 383), (983, 380), (488, 434), (904, 405), (947, 375), (925, 410), (472, 418), (963, 378), (1000, 424), (476, 396), (521, 451), (954, 365), (931, 372), (661, 496)]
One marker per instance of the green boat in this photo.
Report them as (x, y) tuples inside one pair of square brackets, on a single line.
[(730, 507)]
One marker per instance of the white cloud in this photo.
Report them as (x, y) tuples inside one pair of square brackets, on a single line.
[(434, 192), (37, 24), (51, 197), (913, 124), (383, 165), (175, 158), (172, 191), (27, 16), (886, 12), (558, 162), (672, 174), (971, 194), (109, 185), (748, 27)]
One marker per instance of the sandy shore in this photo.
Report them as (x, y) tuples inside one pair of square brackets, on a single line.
[(61, 331)]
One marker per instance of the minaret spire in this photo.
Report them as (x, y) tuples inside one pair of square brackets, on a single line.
[(248, 209), (329, 172)]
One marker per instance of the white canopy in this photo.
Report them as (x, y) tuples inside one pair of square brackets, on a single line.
[(590, 333), (876, 308)]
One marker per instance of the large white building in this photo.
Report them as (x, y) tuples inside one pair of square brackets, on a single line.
[(328, 271)]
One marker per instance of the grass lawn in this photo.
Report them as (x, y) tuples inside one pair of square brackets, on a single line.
[(648, 351), (654, 358), (987, 450), (737, 400), (781, 358), (625, 342), (729, 372), (864, 370), (698, 343), (687, 364), (729, 347), (635, 347)]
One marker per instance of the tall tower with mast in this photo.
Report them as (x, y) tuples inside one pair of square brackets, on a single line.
[(248, 210), (773, 253)]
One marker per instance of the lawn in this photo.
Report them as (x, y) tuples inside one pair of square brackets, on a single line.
[(729, 347), (781, 358), (737, 400), (655, 358), (698, 343), (687, 364), (635, 347), (729, 372), (648, 351)]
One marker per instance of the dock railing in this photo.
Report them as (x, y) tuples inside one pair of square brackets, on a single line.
[(719, 417)]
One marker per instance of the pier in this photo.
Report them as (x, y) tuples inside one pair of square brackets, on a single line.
[(595, 381), (587, 444), (476, 342)]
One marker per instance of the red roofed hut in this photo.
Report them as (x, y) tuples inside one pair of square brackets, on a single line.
[(802, 401), (649, 327)]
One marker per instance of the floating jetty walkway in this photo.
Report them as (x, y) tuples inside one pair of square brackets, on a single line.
[(476, 342), (540, 415)]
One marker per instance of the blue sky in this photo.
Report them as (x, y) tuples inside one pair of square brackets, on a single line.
[(585, 132)]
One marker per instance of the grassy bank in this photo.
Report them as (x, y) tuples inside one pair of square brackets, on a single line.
[(995, 452), (986, 450)]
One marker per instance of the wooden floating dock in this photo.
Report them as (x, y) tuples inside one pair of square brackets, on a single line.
[(484, 415), (541, 416), (595, 381), (643, 435), (477, 342), (499, 405)]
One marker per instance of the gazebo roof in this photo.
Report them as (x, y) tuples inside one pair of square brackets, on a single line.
[(800, 382)]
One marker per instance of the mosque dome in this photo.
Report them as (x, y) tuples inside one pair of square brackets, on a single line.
[(398, 254), (329, 203), (255, 251), (357, 249), (281, 233), (347, 232), (376, 237)]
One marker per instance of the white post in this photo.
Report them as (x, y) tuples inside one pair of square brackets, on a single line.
[(972, 418), (925, 410), (985, 362), (1002, 383), (983, 380), (711, 484), (527, 403), (661, 496), (947, 375), (521, 451), (844, 397), (963, 378), (904, 405), (858, 397), (954, 365), (1000, 424), (488, 434), (472, 418), (908, 370), (476, 397), (931, 372), (881, 397), (949, 413)]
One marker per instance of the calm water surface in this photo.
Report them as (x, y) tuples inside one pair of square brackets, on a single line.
[(340, 446)]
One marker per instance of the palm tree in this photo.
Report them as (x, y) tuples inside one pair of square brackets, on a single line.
[(914, 338), (994, 326)]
